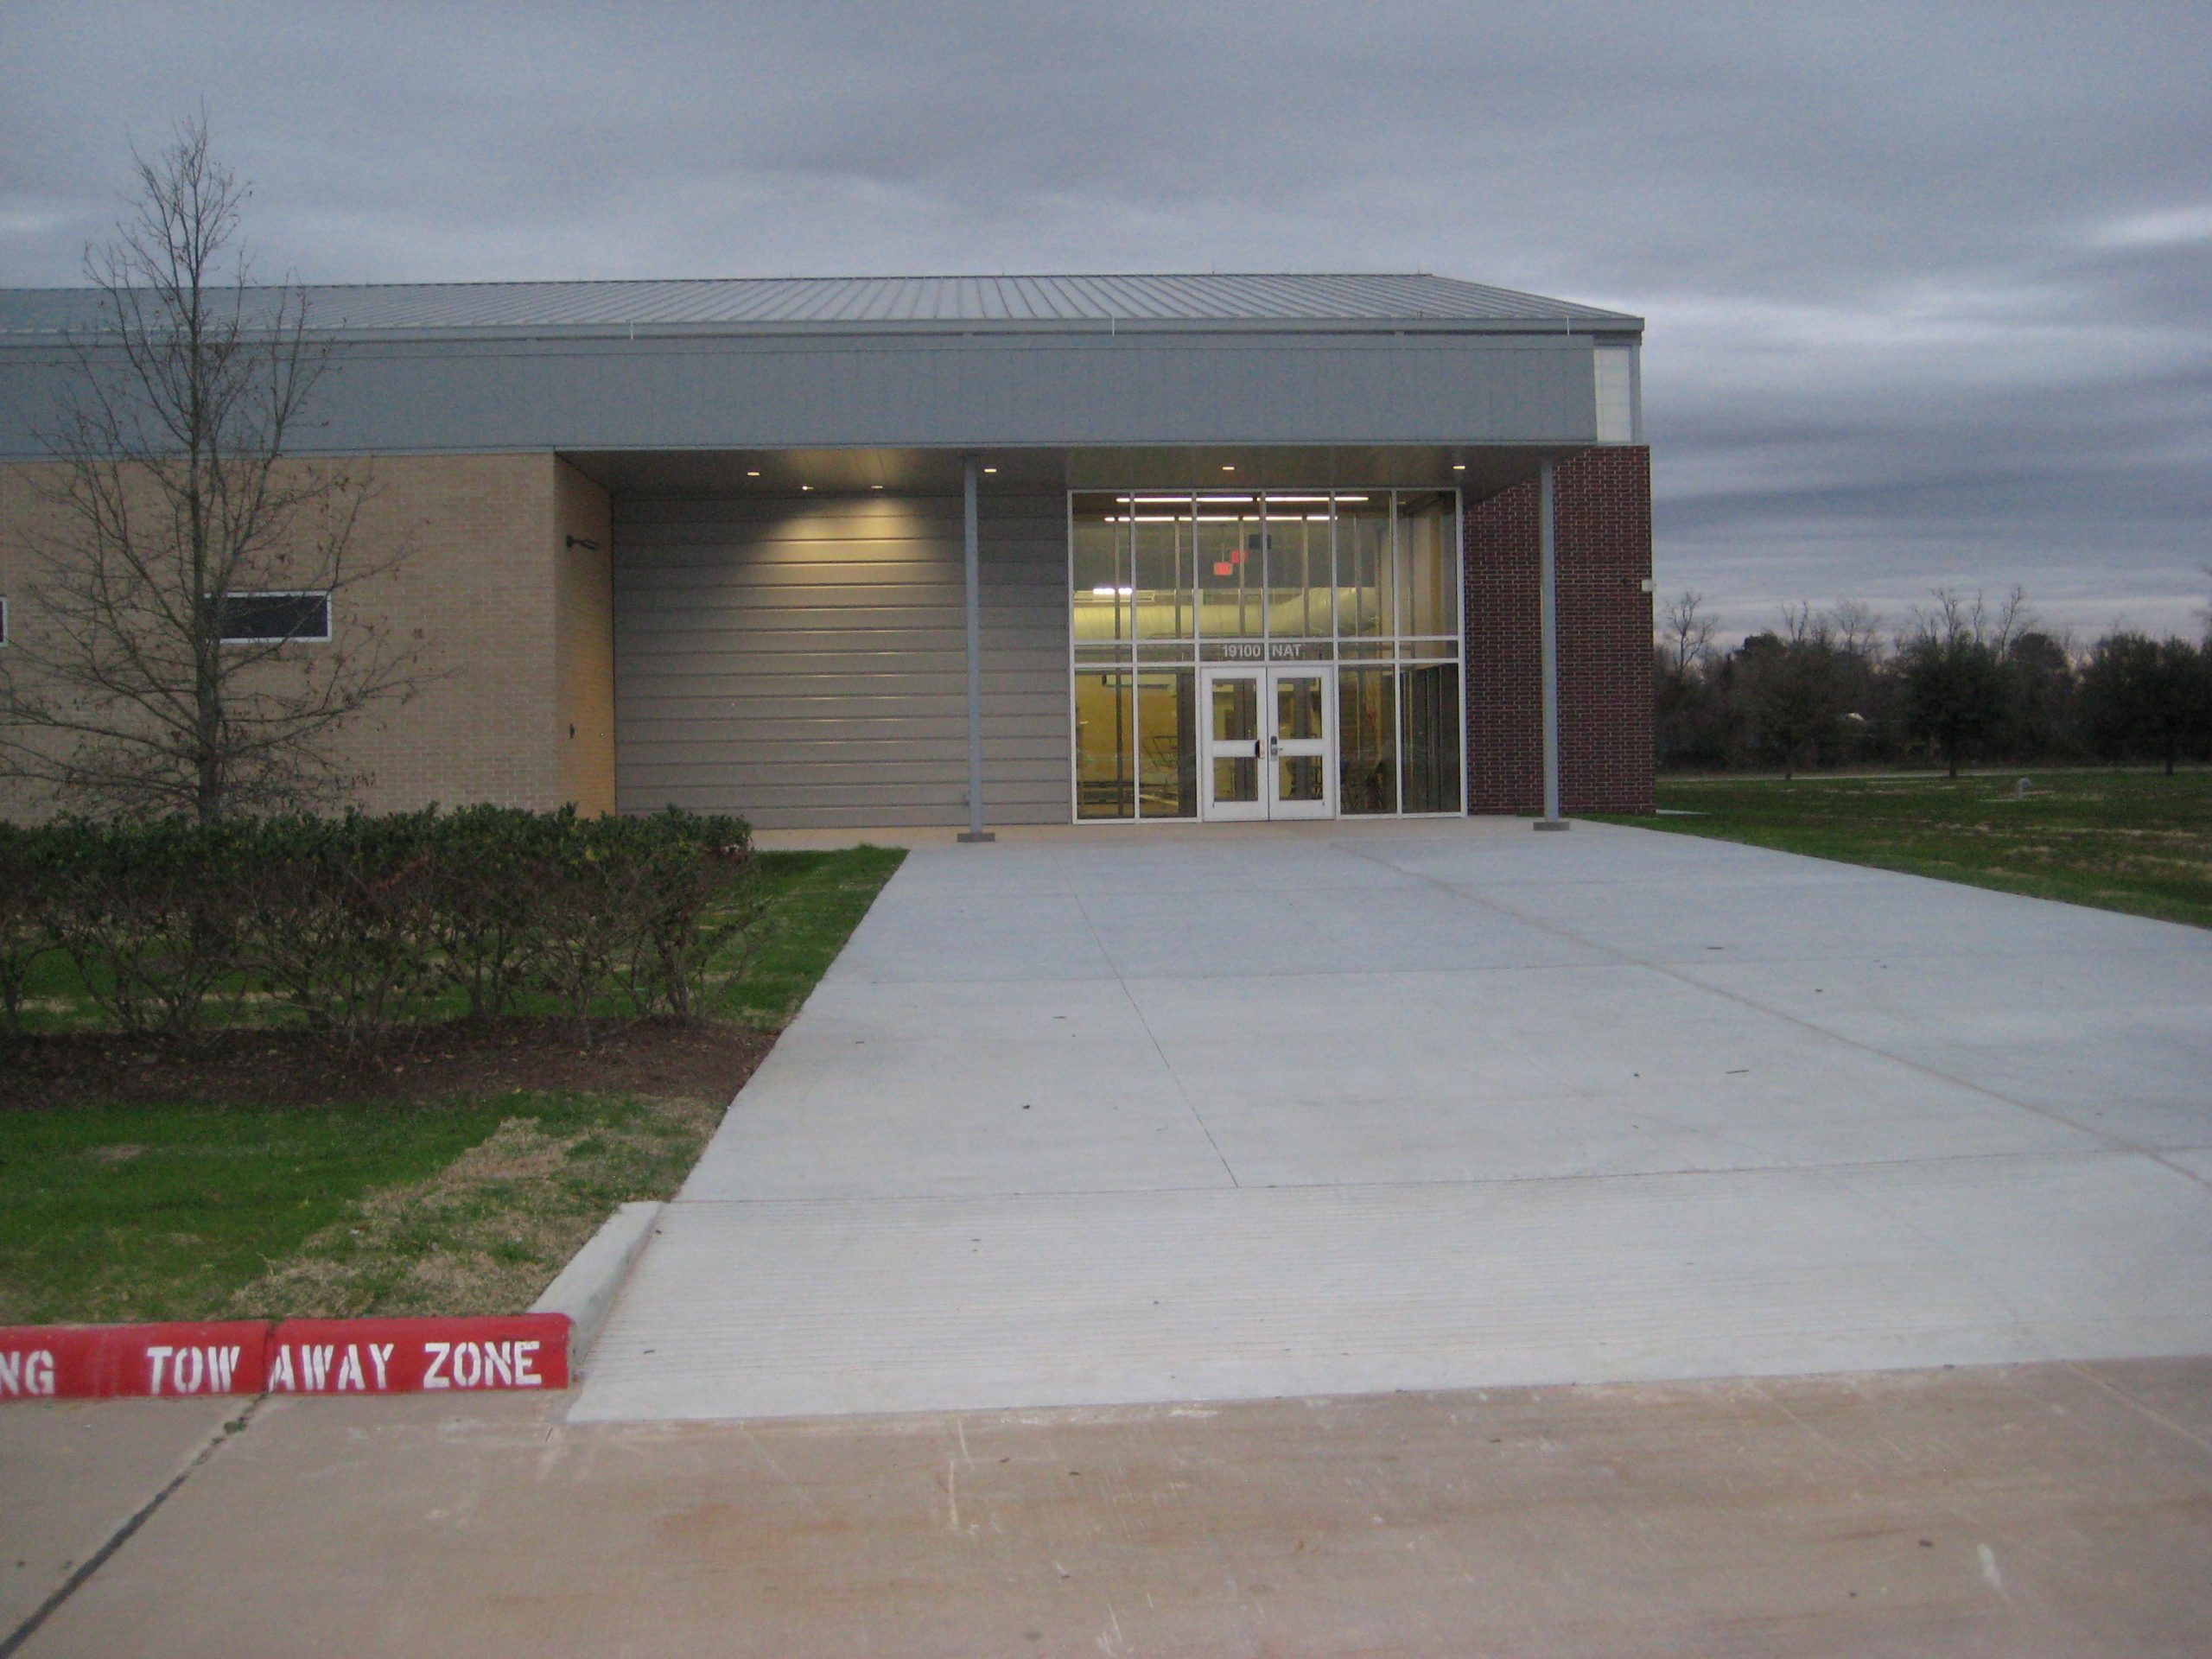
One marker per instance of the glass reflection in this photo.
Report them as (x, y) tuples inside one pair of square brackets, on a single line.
[(1166, 551), (1301, 583), (1304, 777), (1428, 584), (1167, 744), (1366, 600), (1105, 746), (1231, 597), (1430, 696), (1367, 740), (1298, 706), (1236, 716), (1104, 594)]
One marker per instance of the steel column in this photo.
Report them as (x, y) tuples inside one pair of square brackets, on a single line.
[(974, 558), (1547, 626)]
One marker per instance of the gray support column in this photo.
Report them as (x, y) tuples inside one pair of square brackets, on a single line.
[(1548, 630), (974, 831)]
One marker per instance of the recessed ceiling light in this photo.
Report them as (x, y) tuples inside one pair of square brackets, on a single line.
[(990, 469), (754, 472), (1226, 468), (806, 487), (875, 487), (1458, 465)]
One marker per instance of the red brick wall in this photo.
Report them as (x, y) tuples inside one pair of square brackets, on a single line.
[(1604, 506), (1504, 739)]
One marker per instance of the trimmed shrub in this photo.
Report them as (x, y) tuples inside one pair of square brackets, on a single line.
[(340, 917), (22, 927), (356, 924), (148, 913)]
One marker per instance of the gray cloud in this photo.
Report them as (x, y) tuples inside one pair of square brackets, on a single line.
[(1927, 286)]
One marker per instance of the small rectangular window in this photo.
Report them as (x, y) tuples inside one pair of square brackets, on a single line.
[(263, 619), (3, 619)]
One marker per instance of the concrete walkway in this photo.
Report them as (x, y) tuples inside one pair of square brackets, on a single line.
[(1111, 1116), (2015, 1512)]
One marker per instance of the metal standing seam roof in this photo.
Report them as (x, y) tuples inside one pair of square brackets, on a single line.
[(816, 304)]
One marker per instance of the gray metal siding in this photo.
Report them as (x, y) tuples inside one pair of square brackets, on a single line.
[(804, 663), (982, 390)]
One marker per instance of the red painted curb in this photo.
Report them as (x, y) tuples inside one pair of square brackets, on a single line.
[(104, 1361), (181, 1359), (524, 1351)]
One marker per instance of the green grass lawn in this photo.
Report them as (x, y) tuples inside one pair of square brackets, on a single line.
[(816, 900), (206, 1208), (197, 1211), (2129, 841)]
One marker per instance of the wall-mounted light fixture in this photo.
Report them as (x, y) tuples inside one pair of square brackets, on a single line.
[(578, 541)]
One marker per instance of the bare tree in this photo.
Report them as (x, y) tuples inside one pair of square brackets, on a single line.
[(1951, 671), (1686, 632), (158, 666), (1856, 629), (1793, 687)]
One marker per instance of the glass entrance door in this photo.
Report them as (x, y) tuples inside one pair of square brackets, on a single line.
[(1302, 753), (1269, 743), (1232, 766)]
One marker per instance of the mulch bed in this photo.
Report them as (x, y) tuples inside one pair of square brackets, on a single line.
[(672, 1058)]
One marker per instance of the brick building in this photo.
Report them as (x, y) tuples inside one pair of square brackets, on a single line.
[(968, 552)]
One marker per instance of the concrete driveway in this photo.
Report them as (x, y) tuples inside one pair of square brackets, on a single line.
[(1113, 1117)]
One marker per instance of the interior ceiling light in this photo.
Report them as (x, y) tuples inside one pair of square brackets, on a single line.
[(1114, 593), (1458, 465), (1226, 468), (875, 487), (1212, 498), (990, 469), (753, 472), (806, 487)]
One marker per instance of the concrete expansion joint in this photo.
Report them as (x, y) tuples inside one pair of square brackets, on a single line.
[(230, 1430), (1253, 1189)]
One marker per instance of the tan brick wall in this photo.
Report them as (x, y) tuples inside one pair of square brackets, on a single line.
[(479, 594), (584, 639), (24, 515)]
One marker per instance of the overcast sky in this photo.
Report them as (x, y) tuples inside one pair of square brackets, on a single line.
[(1928, 287)]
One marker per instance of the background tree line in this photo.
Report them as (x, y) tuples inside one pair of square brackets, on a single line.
[(1961, 681)]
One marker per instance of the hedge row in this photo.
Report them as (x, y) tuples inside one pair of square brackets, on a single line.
[(357, 923)]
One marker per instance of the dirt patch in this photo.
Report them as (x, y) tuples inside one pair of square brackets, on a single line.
[(488, 1232), (694, 1060)]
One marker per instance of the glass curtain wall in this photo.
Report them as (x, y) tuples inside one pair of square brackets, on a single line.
[(1162, 581)]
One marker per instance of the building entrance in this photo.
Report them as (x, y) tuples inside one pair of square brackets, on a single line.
[(1254, 654), (1269, 743)]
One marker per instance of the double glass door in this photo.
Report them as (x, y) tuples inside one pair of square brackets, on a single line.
[(1268, 742)]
